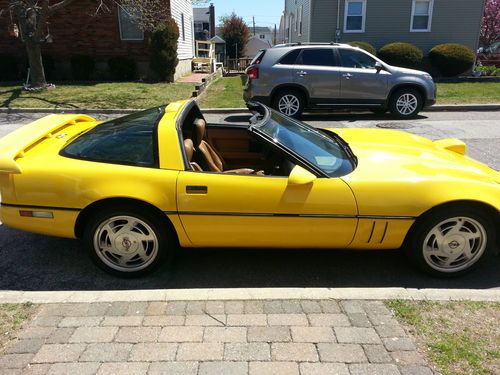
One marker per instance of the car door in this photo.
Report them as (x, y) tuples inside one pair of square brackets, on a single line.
[(360, 82), (219, 209), (317, 71)]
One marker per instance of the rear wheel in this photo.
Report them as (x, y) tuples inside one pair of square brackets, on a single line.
[(405, 103), (451, 242), (289, 102), (128, 242)]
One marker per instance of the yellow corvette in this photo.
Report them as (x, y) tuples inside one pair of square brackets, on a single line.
[(136, 187)]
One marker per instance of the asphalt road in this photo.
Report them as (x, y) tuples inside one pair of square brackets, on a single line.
[(34, 262)]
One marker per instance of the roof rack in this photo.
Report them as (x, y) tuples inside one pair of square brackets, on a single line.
[(307, 44)]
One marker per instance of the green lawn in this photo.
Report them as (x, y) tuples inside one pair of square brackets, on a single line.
[(96, 95), (459, 338), (224, 93)]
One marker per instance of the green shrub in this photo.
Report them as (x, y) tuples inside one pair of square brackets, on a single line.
[(9, 70), (82, 67), (401, 54), (451, 59), (122, 68), (488, 70), (163, 46), (364, 45)]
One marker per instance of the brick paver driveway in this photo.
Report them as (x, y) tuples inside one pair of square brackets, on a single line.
[(215, 337)]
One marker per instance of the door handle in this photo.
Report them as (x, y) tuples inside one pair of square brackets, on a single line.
[(347, 75), (302, 73), (190, 189)]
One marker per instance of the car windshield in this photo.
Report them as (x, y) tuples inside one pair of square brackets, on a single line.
[(317, 148), (126, 140)]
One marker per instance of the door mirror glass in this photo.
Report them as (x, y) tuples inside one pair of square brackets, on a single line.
[(378, 66), (300, 176)]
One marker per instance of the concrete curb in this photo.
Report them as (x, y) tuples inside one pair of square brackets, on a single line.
[(436, 108), (489, 295)]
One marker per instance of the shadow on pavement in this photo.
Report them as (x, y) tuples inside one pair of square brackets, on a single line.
[(40, 263)]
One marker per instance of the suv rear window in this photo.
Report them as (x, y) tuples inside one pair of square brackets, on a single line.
[(290, 57), (258, 58), (318, 57)]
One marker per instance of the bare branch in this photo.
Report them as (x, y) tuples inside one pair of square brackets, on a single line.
[(59, 5)]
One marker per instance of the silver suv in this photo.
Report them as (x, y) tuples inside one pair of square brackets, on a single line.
[(294, 77)]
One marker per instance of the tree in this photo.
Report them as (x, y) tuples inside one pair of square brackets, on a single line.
[(236, 34), (490, 27), (163, 47), (33, 15)]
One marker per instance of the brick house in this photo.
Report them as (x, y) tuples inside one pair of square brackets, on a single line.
[(76, 30)]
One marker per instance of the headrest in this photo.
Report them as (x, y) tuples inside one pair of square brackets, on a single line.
[(199, 131), (188, 146)]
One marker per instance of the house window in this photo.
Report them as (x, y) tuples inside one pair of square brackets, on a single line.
[(198, 27), (354, 17), (421, 15), (262, 36), (301, 10), (130, 28), (183, 29)]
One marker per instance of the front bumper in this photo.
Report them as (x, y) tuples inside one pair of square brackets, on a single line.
[(429, 103)]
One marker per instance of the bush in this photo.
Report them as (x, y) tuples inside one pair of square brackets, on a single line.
[(8, 68), (451, 59), (364, 45), (163, 46), (82, 67), (122, 68), (401, 54), (488, 70)]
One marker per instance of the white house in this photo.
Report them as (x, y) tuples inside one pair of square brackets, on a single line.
[(182, 13)]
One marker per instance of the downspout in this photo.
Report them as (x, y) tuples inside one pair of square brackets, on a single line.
[(337, 32)]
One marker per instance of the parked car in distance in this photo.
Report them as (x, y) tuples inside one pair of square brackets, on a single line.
[(294, 77), (489, 55), (136, 187)]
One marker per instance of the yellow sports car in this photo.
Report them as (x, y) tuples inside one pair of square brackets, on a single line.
[(136, 187)]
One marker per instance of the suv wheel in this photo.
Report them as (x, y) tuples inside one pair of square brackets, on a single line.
[(405, 103), (289, 102)]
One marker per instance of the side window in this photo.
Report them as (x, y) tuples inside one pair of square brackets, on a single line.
[(356, 59), (129, 140), (290, 57), (317, 57)]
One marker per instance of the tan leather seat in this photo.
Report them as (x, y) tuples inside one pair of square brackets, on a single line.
[(209, 155), (189, 147)]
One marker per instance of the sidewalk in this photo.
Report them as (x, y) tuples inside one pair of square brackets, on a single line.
[(215, 337)]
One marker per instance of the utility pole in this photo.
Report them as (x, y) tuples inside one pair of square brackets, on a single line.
[(274, 37), (253, 20)]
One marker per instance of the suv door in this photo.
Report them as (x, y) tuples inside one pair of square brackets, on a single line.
[(316, 69), (360, 82)]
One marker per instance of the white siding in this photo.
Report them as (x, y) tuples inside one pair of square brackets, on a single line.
[(185, 48)]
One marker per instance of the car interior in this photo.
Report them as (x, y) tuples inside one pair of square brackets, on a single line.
[(229, 148)]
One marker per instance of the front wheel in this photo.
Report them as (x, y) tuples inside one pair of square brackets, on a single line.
[(129, 242), (451, 242), (405, 103), (289, 102)]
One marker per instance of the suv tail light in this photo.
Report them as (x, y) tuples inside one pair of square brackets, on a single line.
[(253, 73)]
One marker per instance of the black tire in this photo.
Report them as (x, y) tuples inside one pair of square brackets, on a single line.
[(158, 250), (294, 96), (414, 99), (378, 111), (473, 221)]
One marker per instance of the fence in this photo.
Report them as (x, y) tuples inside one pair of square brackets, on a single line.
[(237, 65)]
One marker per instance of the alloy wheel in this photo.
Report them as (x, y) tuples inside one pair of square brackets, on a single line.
[(407, 104), (289, 105)]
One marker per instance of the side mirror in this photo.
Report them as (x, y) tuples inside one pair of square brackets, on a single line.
[(378, 66), (300, 176)]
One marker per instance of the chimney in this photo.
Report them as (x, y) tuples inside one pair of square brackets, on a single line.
[(212, 20)]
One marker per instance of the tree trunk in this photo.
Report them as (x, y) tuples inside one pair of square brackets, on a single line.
[(34, 51)]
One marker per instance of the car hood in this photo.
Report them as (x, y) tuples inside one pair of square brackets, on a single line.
[(391, 154), (398, 69)]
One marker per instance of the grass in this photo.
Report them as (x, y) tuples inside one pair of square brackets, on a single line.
[(468, 93), (457, 337), (12, 318), (226, 92), (96, 95)]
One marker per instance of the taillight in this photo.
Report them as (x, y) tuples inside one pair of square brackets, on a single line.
[(253, 73)]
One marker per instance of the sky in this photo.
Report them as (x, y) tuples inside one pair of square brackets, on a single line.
[(266, 12)]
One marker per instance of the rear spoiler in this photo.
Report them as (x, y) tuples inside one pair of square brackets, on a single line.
[(15, 144)]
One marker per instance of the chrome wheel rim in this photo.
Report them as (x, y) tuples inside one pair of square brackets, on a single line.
[(454, 244), (407, 104), (289, 105), (126, 243)]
